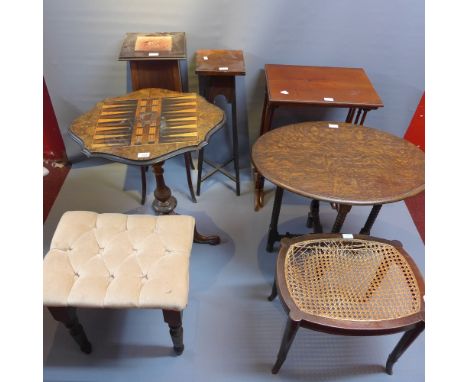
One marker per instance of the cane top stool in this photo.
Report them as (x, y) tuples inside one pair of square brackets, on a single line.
[(356, 285), (114, 260)]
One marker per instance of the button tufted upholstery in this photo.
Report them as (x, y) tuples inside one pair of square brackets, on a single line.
[(119, 261)]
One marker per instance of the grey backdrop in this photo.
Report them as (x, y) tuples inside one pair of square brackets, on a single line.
[(82, 40)]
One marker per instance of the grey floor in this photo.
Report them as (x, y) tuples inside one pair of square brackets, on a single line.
[(231, 331)]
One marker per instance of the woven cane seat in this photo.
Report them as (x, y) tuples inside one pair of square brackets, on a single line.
[(119, 261), (351, 279)]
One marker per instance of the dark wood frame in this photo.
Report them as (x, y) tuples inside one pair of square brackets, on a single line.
[(412, 325), (67, 316)]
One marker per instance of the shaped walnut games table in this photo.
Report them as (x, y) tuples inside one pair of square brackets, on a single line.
[(147, 127)]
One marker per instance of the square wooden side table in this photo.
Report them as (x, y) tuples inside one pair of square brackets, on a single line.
[(155, 62), (292, 85), (217, 71)]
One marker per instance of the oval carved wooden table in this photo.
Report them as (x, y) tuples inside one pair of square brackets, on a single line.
[(146, 127), (343, 164)]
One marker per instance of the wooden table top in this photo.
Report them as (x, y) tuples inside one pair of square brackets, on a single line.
[(146, 126), (153, 46), (350, 164), (321, 86), (219, 62)]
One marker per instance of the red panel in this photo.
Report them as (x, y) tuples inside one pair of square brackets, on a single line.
[(53, 146), (415, 134), (416, 130)]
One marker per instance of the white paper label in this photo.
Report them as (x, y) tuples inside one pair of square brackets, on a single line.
[(223, 68), (153, 54), (328, 99), (333, 126), (284, 92), (143, 155), (205, 58), (347, 236)]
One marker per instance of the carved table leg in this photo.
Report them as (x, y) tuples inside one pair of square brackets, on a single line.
[(202, 239), (164, 202), (174, 319), (405, 341), (273, 234), (371, 219), (343, 210), (235, 137), (67, 315), (313, 219), (274, 291), (267, 116), (143, 183), (288, 338)]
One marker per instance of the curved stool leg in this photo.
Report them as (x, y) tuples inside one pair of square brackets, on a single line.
[(274, 291), (343, 210), (68, 317), (288, 338), (404, 343), (174, 319)]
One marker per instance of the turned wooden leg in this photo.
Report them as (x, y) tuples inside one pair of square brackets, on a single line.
[(174, 319), (273, 234), (67, 315), (143, 183), (188, 163), (288, 338), (405, 341), (313, 219), (164, 202), (371, 219), (343, 210)]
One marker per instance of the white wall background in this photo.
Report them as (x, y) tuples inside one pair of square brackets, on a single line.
[(82, 40)]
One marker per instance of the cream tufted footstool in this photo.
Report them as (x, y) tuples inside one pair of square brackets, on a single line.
[(118, 261)]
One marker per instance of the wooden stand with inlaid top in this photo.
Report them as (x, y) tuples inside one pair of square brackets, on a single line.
[(155, 62), (217, 71), (145, 128)]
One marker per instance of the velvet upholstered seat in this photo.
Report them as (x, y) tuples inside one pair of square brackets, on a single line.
[(119, 261)]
